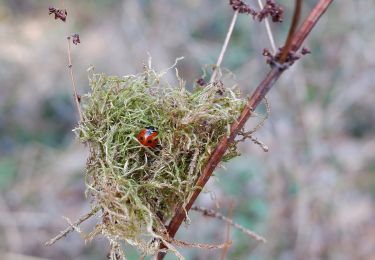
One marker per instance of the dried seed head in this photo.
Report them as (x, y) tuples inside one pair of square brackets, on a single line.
[(242, 7), (220, 87), (201, 82), (293, 56), (266, 52), (59, 13), (76, 39), (305, 51), (272, 9)]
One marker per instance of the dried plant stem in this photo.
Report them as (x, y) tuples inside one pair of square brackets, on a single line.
[(252, 103), (70, 66), (72, 227), (227, 235), (288, 44), (214, 214), (224, 47), (269, 31), (180, 243), (260, 143), (309, 23)]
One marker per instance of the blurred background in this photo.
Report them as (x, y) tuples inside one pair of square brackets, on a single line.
[(311, 196)]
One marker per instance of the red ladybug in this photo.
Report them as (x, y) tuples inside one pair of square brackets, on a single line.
[(148, 137)]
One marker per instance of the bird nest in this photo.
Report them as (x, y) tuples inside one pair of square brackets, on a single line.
[(136, 187)]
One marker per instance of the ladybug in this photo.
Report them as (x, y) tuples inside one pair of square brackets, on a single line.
[(148, 137)]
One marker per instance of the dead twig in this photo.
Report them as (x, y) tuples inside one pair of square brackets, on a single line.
[(180, 243), (293, 27), (214, 214), (72, 227), (70, 66), (227, 235), (249, 134)]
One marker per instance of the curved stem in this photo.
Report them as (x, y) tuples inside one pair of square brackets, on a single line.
[(292, 30)]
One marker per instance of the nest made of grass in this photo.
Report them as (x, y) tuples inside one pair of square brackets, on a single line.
[(138, 188)]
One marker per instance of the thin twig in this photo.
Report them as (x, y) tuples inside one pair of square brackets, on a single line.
[(255, 140), (75, 227), (70, 65), (180, 243), (300, 36), (214, 214), (249, 134), (224, 47), (269, 31), (227, 235), (253, 101), (72, 227), (293, 27)]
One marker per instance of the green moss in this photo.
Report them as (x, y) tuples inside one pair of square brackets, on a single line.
[(138, 188)]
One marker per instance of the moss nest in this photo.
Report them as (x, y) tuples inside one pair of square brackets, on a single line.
[(137, 188)]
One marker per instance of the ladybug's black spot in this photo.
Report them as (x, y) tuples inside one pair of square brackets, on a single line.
[(149, 141), (141, 138)]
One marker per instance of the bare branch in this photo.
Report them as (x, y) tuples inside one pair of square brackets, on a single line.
[(253, 101), (72, 227), (227, 235), (76, 98), (214, 214), (293, 27)]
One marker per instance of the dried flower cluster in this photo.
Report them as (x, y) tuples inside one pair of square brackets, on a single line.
[(242, 7), (305, 51), (75, 38), (201, 82), (59, 13), (293, 56), (272, 9)]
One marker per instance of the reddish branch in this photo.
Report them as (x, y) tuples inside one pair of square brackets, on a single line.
[(292, 31), (253, 101), (309, 23)]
